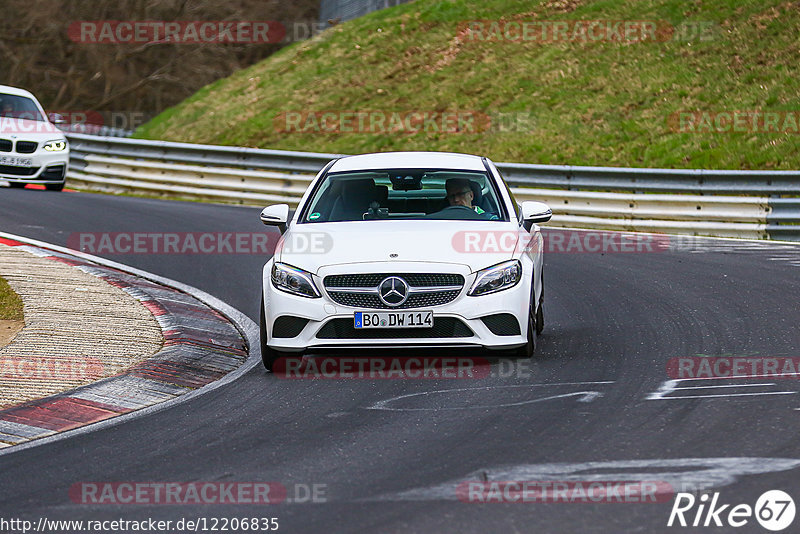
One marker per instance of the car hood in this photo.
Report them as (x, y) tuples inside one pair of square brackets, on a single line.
[(29, 130), (474, 244)]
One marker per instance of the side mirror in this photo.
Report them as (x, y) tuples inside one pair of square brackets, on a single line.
[(276, 215), (57, 119), (534, 213)]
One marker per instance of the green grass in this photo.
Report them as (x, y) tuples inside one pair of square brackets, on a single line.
[(10, 303), (602, 103)]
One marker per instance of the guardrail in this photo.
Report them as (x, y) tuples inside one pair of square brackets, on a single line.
[(751, 204)]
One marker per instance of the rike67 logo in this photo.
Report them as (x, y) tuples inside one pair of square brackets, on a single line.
[(774, 510)]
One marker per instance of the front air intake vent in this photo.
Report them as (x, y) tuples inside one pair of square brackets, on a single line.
[(287, 326), (502, 324)]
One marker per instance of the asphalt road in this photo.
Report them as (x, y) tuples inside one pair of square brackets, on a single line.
[(586, 408)]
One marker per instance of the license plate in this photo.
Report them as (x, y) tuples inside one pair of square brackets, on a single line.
[(15, 161), (415, 319)]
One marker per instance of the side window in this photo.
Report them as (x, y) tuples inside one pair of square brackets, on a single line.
[(321, 207)]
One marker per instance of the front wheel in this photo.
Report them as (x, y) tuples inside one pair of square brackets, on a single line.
[(527, 350), (54, 187), (269, 355), (16, 185)]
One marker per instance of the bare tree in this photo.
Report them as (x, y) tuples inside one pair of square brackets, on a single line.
[(37, 52)]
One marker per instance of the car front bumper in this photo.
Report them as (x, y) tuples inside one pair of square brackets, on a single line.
[(48, 168), (458, 323)]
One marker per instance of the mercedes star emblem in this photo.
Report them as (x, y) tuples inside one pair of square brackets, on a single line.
[(393, 291)]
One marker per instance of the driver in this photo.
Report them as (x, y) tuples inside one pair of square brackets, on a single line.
[(459, 193)]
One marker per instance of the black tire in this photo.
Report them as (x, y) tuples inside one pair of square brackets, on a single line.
[(16, 185), (540, 311), (529, 349), (54, 187), (269, 355), (539, 320)]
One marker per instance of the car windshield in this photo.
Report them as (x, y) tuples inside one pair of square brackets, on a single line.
[(404, 194), (19, 107)]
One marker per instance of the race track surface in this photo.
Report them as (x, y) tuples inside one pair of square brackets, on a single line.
[(389, 464)]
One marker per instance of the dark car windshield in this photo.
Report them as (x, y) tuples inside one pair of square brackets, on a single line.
[(19, 107), (404, 194)]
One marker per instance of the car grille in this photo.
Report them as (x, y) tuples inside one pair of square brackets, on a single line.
[(443, 327), (418, 300), (26, 147), (337, 287), (5, 145), (18, 171), (413, 279)]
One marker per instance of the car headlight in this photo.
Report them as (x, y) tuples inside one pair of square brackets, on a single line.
[(55, 146), (293, 280), (496, 278)]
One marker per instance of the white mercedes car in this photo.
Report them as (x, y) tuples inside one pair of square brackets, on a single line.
[(404, 249), (32, 149)]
